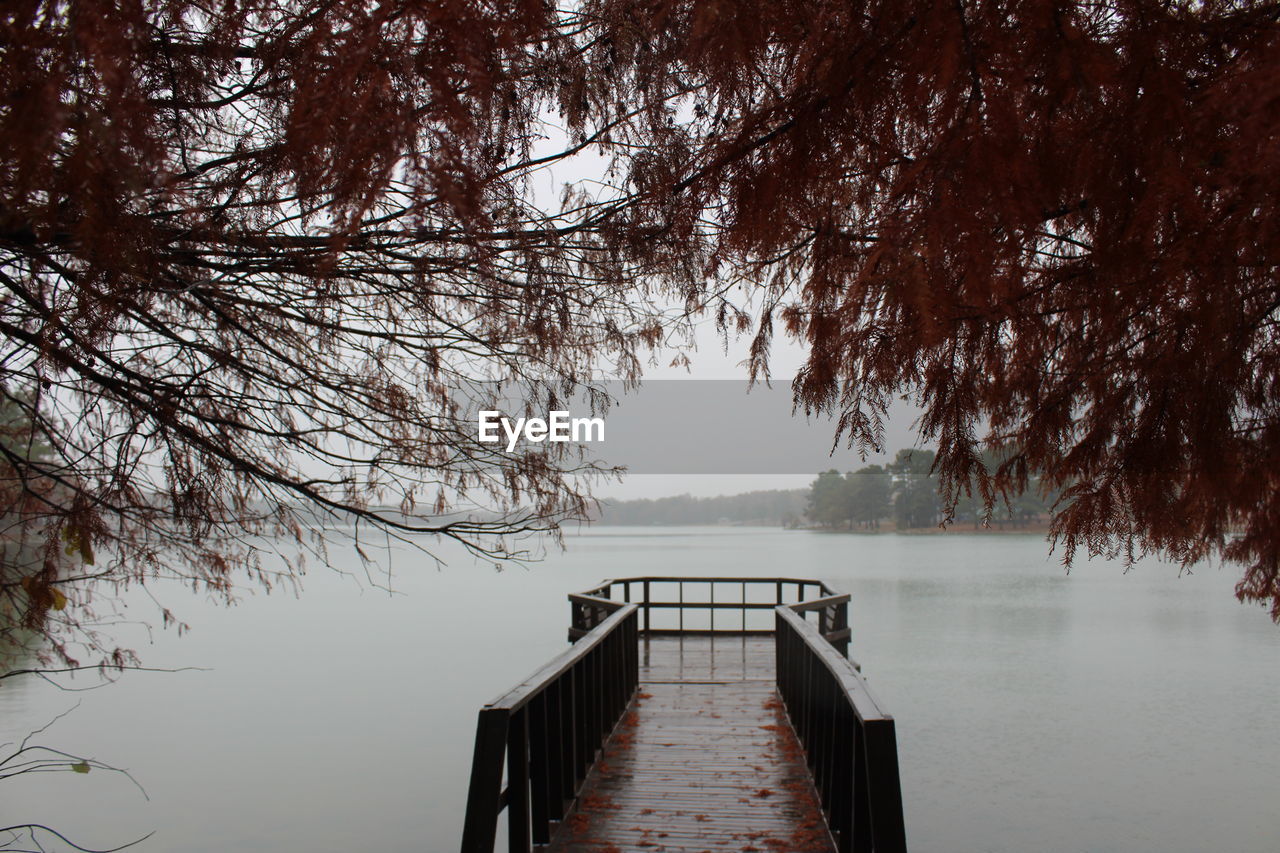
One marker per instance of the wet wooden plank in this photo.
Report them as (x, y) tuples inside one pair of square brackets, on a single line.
[(703, 761), (704, 658)]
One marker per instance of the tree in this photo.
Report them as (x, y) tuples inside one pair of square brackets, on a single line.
[(259, 265), (828, 502), (915, 499), (859, 497), (1054, 223), (870, 494), (1035, 501), (19, 561)]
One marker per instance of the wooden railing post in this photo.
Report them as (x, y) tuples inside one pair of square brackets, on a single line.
[(518, 840), (480, 825), (542, 786), (884, 795), (558, 790), (862, 838), (842, 626)]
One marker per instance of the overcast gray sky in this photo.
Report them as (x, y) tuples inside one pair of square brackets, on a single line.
[(711, 360), (726, 445)]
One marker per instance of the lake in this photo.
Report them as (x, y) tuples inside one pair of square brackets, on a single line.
[(1036, 710)]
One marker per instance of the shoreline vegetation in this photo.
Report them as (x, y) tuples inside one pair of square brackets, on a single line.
[(997, 526), (1038, 527), (900, 497)]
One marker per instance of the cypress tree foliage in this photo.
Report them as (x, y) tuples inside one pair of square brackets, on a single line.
[(257, 263), (1053, 222)]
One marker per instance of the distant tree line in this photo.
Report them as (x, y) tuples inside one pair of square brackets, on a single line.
[(907, 491), (778, 507)]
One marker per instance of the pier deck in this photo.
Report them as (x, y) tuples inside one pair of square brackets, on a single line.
[(704, 760), (691, 715)]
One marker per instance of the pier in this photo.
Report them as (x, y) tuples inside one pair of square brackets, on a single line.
[(691, 714)]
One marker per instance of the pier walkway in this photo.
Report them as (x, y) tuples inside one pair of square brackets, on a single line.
[(704, 760), (692, 715)]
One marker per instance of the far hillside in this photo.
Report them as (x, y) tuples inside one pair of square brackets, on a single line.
[(776, 508), (902, 495)]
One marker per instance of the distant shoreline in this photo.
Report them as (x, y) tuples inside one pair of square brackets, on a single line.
[(1040, 528)]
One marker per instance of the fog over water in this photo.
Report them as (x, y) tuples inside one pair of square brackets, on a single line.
[(1036, 711)]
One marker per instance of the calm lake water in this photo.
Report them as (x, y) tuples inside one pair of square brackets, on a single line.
[(1036, 711)]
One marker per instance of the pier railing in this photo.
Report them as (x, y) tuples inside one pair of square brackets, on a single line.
[(546, 733), (849, 742), (713, 605)]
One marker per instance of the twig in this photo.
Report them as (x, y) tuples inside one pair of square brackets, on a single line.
[(32, 827)]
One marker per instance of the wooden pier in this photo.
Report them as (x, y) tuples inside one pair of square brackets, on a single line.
[(694, 714)]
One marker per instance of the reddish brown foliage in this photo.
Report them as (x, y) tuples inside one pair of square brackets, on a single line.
[(256, 256), (1052, 222)]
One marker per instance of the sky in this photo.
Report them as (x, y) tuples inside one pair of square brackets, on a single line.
[(710, 360), (732, 446)]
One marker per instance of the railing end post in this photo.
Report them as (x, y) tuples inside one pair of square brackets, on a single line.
[(480, 824)]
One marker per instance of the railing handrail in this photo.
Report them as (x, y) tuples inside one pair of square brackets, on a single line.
[(520, 695), (832, 608), (841, 668), (818, 603), (826, 590), (850, 743), (546, 732), (715, 578), (588, 598)]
